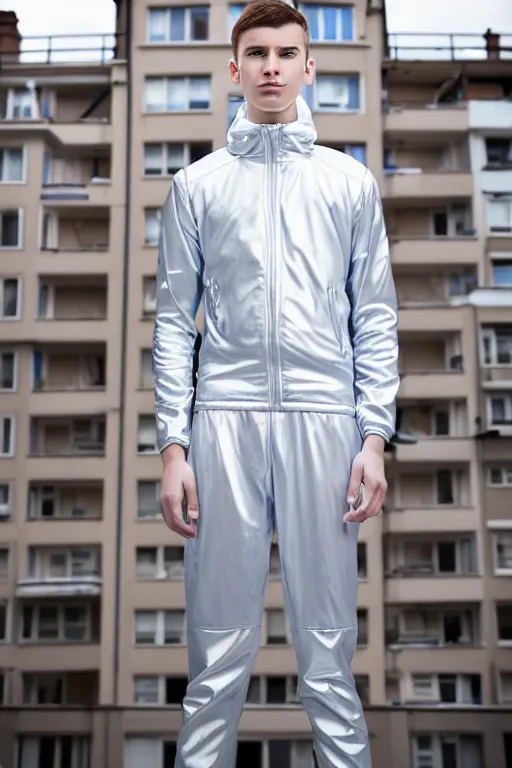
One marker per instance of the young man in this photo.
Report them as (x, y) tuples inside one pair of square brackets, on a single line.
[(295, 394)]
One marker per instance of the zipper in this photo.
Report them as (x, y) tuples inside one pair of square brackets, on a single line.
[(335, 317), (272, 310)]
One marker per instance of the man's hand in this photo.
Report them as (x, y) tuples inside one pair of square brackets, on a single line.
[(178, 477), (367, 469)]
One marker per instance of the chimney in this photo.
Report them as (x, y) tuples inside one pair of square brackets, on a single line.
[(9, 37), (492, 41)]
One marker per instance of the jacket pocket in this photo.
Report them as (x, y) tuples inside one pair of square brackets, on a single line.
[(213, 301), (336, 316)]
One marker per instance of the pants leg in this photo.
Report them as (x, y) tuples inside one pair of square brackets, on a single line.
[(312, 459), (226, 569)]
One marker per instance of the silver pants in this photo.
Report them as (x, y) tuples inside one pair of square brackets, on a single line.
[(256, 471)]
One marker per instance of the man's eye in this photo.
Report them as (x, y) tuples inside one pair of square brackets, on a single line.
[(256, 53), (288, 53)]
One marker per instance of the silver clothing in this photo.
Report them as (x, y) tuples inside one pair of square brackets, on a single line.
[(256, 471), (287, 240)]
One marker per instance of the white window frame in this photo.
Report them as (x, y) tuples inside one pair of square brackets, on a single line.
[(164, 86), (495, 259), (31, 94), (23, 150), (160, 683), (161, 571), (505, 232), (166, 156), (158, 513), (159, 633), (339, 110), (149, 292), (12, 452), (34, 639), (286, 628), (451, 212), (152, 218), (147, 378), (507, 397), (434, 693), (506, 476), (490, 335), (496, 536), (145, 422), (339, 28), (19, 246), (188, 25), (14, 354), (6, 507), (42, 562), (17, 316)]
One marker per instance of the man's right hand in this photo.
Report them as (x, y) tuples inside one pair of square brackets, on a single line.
[(177, 478)]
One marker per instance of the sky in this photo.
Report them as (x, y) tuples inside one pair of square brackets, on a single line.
[(44, 17)]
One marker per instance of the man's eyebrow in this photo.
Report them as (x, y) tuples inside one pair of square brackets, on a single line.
[(264, 47)]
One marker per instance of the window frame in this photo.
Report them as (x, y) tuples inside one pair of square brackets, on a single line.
[(14, 353), (507, 397), (12, 449), (500, 571), (339, 39), (17, 316), (187, 80), (23, 150), (19, 246), (187, 39), (158, 515), (159, 633), (498, 199), (339, 110), (61, 625)]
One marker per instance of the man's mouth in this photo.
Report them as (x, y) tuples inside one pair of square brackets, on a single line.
[(271, 85)]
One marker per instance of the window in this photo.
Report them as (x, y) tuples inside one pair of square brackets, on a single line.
[(148, 500), (447, 751), (168, 159), (6, 436), (444, 483), (500, 410), (336, 93), (235, 11), (499, 214), (5, 501), (178, 24), (275, 562), (234, 103), (452, 221), (10, 229), (500, 476), (73, 563), (499, 153), (43, 689), (57, 623), (502, 272), (276, 628), (502, 553), (54, 752), (8, 367), (146, 440), (177, 94), (159, 690), (329, 22), (447, 688), (159, 627), (10, 298), (160, 562), (152, 226), (151, 752), (505, 688), (362, 570), (497, 345), (3, 622), (146, 369), (504, 618), (4, 563), (362, 626), (149, 296), (12, 165)]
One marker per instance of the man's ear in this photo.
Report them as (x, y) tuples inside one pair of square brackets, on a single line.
[(234, 72)]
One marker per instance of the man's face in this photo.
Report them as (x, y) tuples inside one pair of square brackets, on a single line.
[(272, 68)]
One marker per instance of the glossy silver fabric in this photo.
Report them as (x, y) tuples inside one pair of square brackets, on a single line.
[(256, 470), (287, 240)]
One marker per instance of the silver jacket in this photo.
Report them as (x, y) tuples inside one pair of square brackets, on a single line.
[(288, 243)]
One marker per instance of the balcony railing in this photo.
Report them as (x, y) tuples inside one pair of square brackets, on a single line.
[(440, 46), (63, 49)]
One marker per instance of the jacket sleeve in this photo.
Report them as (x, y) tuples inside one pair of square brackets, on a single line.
[(374, 317), (178, 293)]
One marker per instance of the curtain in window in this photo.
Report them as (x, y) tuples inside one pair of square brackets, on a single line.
[(147, 430), (146, 690), (157, 32), (152, 227), (177, 32), (347, 23), (153, 162), (139, 752), (199, 94), (147, 499), (330, 17), (154, 93), (470, 751), (175, 157), (499, 214), (173, 624), (12, 165), (29, 752), (145, 626)]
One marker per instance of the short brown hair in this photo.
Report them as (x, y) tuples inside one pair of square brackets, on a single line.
[(268, 13)]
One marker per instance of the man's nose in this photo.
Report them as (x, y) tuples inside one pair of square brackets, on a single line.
[(272, 65)]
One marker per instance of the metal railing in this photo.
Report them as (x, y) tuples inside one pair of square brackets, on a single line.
[(64, 49), (442, 46)]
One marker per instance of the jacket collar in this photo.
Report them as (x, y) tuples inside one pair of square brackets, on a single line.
[(247, 138)]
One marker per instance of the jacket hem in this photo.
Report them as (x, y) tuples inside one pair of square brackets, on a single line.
[(248, 405)]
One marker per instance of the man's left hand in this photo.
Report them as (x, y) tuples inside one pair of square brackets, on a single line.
[(368, 479)]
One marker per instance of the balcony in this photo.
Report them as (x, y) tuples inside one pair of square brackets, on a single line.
[(50, 689), (431, 519), (61, 372), (407, 658), (407, 184), (406, 119), (436, 449), (423, 287), (493, 375), (65, 501), (67, 437), (79, 301), (445, 384), (83, 177), (444, 319), (430, 353), (428, 589), (425, 250), (62, 572), (433, 626)]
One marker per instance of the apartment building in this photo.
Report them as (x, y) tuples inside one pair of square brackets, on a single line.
[(93, 661)]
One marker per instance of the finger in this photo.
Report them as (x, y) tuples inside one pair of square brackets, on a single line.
[(369, 508), (174, 517), (354, 486), (192, 500), (373, 507)]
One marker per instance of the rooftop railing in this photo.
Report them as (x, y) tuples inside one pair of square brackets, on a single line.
[(62, 49), (442, 46)]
